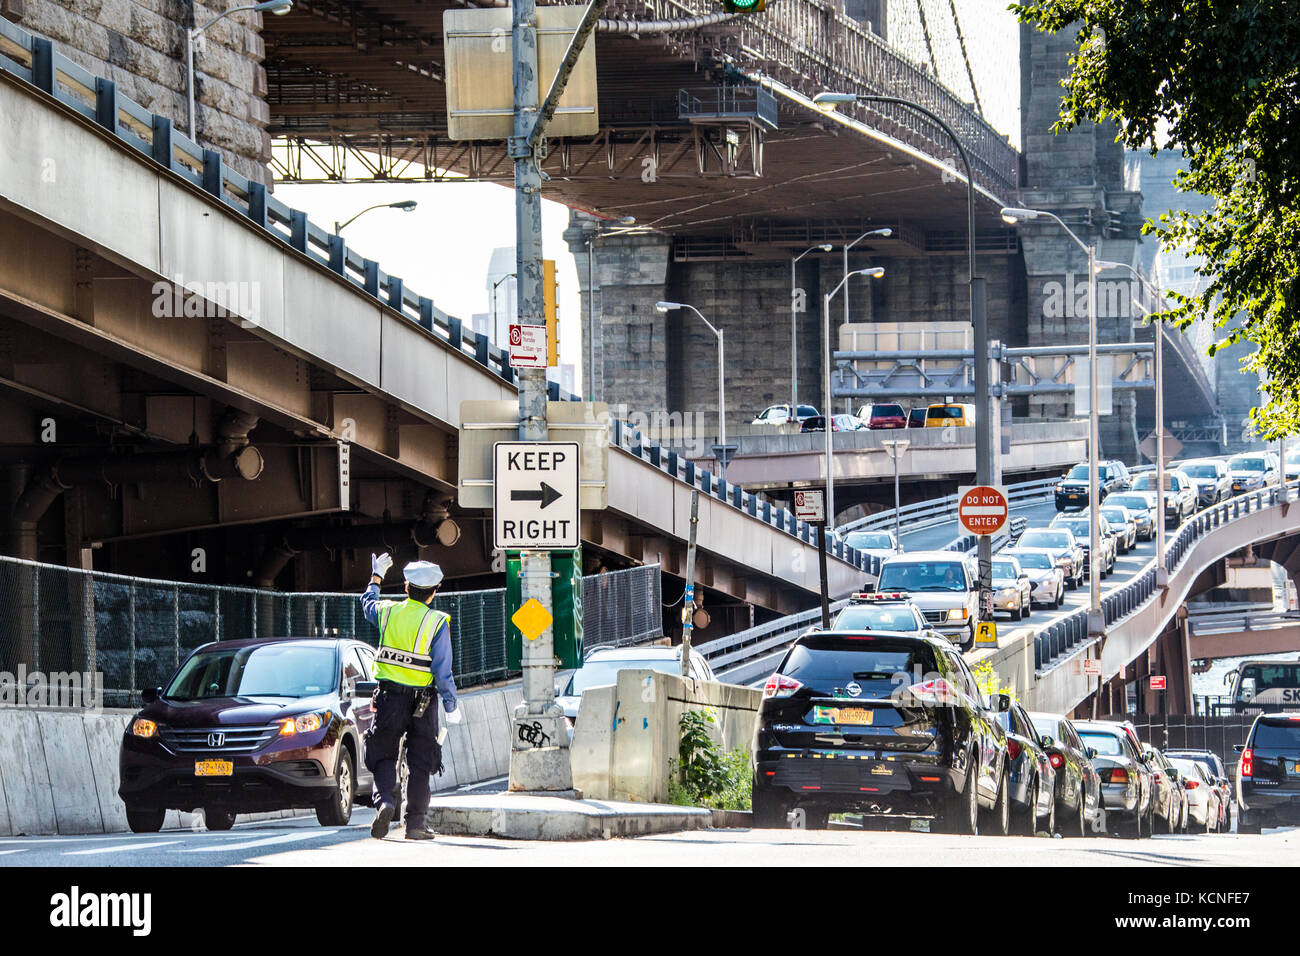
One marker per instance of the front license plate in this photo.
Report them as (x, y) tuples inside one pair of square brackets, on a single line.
[(1074, 497), (856, 715), (213, 768)]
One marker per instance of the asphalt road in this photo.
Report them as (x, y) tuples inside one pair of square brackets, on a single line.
[(301, 842)]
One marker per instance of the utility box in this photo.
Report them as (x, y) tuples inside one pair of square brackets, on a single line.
[(566, 609)]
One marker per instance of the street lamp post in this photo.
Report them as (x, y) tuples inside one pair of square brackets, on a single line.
[(1095, 623), (494, 336), (794, 329), (278, 7), (1162, 573), (722, 384), (827, 418), (896, 447), (881, 233), (979, 325), (406, 205)]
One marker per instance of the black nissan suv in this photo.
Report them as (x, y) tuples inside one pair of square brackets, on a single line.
[(1268, 774), (879, 722)]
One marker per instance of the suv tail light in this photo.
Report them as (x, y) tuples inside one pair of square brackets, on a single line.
[(1013, 749), (1056, 760), (1248, 763), (934, 692), (778, 685)]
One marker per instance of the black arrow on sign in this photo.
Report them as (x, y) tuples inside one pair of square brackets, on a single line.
[(546, 494)]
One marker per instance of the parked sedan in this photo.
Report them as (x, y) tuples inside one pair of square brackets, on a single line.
[(1032, 778), (1012, 590), (1046, 580), (1167, 793), (252, 725), (1204, 803), (1141, 507), (1078, 787), (1126, 786), (839, 423), (1216, 773), (1123, 525), (1210, 476)]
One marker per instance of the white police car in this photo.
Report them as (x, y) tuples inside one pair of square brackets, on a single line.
[(889, 611)]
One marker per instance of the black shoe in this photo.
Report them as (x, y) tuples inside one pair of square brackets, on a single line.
[(383, 818), (420, 833)]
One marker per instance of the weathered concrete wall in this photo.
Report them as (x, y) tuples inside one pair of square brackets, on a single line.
[(140, 45)]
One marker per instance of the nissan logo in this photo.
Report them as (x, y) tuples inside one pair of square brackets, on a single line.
[(216, 740), (854, 689)]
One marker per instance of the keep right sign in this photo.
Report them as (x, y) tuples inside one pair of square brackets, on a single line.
[(982, 509)]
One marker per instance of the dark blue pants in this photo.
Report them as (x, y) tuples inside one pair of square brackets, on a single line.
[(394, 718)]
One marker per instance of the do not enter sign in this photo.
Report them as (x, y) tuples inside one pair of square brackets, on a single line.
[(982, 509)]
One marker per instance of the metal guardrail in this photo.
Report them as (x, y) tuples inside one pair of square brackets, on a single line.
[(36, 60), (927, 514), (1239, 621), (1063, 637), (735, 658)]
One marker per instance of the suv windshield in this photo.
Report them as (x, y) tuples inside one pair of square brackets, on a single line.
[(1199, 471), (922, 576), (869, 539), (868, 618), (1247, 464), (1036, 561), (886, 411), (1044, 539), (262, 670), (825, 663), (1080, 473)]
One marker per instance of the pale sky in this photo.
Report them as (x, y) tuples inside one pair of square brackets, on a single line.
[(442, 247)]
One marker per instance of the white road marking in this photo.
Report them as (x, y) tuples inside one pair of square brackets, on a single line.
[(482, 783), (122, 846), (268, 841), (23, 850)]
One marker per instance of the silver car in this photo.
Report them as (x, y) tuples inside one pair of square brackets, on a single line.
[(1012, 591), (1061, 544), (1046, 580), (1123, 524), (1204, 802), (1141, 506)]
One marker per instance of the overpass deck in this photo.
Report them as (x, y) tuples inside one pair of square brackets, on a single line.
[(290, 326)]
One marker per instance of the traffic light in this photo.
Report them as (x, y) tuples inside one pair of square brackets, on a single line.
[(744, 6), (552, 323)]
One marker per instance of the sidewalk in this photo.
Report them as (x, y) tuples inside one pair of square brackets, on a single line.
[(528, 817)]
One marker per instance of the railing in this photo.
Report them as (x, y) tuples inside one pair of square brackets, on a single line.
[(739, 658), (37, 61), (927, 514), (731, 101), (1063, 637)]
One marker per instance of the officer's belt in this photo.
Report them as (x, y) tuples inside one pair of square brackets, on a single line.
[(407, 659)]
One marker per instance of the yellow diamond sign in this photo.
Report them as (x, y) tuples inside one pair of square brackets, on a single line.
[(532, 619)]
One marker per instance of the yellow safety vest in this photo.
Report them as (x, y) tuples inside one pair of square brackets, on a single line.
[(406, 632)]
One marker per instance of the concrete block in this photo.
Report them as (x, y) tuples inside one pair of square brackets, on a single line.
[(480, 740), (104, 742), (26, 777), (499, 729), (519, 817), (5, 828), (467, 765)]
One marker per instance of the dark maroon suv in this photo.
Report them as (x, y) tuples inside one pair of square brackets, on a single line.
[(248, 726)]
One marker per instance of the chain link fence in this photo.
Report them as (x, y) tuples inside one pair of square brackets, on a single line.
[(136, 631)]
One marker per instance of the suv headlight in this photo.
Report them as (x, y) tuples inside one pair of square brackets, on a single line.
[(302, 725), (958, 614), (143, 727)]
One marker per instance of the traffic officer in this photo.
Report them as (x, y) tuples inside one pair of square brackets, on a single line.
[(413, 662)]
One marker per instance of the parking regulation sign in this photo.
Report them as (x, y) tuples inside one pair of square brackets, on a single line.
[(810, 506), (982, 509), (535, 495), (528, 346)]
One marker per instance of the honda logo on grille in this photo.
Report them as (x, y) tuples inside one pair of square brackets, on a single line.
[(216, 740)]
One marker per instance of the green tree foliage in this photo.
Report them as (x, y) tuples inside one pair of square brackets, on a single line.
[(1217, 79)]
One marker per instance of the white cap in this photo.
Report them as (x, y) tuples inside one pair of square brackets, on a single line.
[(423, 574)]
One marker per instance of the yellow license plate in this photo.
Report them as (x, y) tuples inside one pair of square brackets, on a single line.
[(855, 715), (1072, 497), (213, 768)]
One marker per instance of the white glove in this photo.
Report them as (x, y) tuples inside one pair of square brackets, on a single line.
[(453, 716), (379, 565)]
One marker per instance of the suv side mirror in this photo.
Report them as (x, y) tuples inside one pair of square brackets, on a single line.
[(150, 694), (1003, 703), (1238, 748), (366, 688), (1046, 742), (1149, 757), (1091, 752)]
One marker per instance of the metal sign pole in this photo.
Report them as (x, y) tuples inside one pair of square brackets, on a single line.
[(821, 568)]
